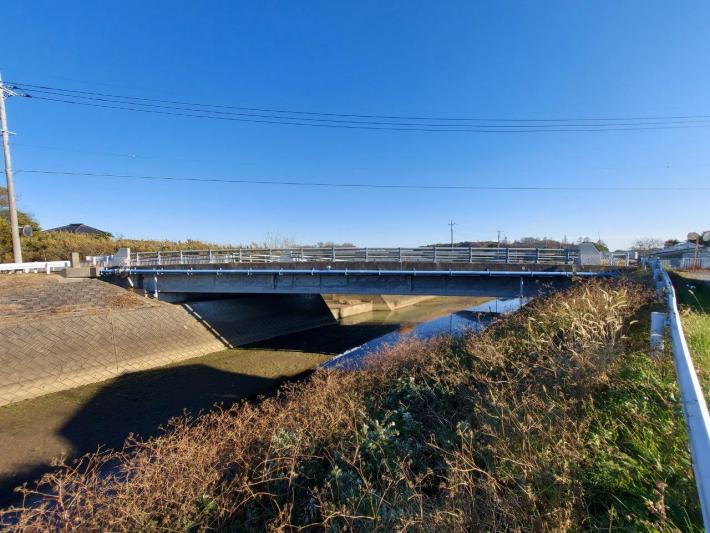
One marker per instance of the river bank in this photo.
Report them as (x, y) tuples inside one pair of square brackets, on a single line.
[(69, 423), (554, 418)]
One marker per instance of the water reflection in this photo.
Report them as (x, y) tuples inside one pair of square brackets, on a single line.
[(473, 318)]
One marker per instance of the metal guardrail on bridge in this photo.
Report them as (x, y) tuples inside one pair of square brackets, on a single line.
[(428, 254), (695, 409)]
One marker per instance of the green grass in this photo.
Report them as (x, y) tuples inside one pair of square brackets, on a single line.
[(694, 299), (638, 474)]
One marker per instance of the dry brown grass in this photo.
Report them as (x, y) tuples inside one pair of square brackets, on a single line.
[(479, 433), (59, 246)]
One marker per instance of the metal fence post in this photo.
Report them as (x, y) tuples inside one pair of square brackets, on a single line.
[(507, 255), (332, 253), (537, 255), (470, 254), (159, 262), (399, 254), (434, 254), (366, 256), (566, 256)]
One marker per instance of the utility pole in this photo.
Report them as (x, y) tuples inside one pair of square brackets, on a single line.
[(14, 226), (451, 229)]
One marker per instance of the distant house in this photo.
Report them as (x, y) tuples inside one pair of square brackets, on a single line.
[(78, 228), (684, 255)]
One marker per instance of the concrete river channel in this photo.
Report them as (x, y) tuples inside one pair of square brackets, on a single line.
[(35, 432)]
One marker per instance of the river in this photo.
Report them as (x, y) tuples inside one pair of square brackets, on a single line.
[(70, 423)]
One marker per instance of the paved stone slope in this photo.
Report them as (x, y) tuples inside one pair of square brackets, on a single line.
[(56, 335), (34, 295)]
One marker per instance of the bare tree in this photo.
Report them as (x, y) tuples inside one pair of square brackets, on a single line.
[(646, 244)]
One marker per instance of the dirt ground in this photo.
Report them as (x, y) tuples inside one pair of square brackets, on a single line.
[(700, 275)]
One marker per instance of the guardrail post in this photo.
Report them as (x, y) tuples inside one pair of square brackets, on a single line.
[(181, 259), (159, 262), (507, 255), (537, 255), (332, 254), (399, 254), (434, 254), (470, 254), (658, 326), (566, 256), (367, 258), (209, 255), (240, 254)]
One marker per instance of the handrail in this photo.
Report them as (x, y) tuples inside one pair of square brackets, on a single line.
[(424, 254), (695, 409), (36, 266), (332, 272)]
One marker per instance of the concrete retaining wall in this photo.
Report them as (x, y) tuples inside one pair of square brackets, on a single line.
[(59, 335), (44, 355)]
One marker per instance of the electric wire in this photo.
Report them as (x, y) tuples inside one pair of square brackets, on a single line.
[(330, 184), (375, 123), (353, 115)]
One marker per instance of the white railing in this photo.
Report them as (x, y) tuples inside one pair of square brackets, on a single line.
[(618, 258), (37, 266), (703, 261), (695, 409), (99, 260), (428, 254)]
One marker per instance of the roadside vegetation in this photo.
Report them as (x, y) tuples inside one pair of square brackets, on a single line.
[(552, 419), (694, 299)]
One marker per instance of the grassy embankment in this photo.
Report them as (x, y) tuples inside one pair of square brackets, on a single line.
[(59, 246), (694, 299), (552, 419)]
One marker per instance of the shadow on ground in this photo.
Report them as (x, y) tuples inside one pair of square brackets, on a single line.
[(140, 403), (327, 340)]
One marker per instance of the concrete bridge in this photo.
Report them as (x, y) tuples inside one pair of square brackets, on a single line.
[(440, 271)]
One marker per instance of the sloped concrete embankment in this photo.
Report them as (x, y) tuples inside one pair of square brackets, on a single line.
[(59, 334)]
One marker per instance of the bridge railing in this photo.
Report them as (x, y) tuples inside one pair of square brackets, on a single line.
[(424, 254)]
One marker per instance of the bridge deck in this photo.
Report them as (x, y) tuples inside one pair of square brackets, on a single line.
[(454, 279)]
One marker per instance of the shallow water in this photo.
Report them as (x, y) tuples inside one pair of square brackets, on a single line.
[(472, 318)]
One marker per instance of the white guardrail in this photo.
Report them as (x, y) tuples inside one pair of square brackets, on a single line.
[(424, 254), (37, 266), (695, 409)]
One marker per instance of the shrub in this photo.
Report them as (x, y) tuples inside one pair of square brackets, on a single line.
[(493, 431)]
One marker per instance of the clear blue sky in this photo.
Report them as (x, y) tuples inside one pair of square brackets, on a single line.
[(503, 59)]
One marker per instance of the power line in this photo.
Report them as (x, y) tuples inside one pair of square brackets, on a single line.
[(209, 113), (353, 115), (368, 185), (480, 129)]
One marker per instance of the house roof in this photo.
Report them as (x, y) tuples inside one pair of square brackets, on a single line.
[(680, 248), (78, 227)]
